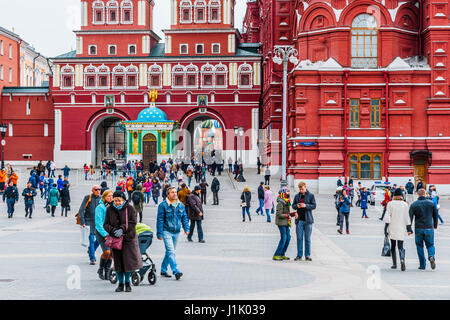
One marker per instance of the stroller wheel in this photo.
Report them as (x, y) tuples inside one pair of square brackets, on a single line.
[(151, 277), (135, 279), (113, 277)]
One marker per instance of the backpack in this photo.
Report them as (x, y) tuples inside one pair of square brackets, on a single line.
[(136, 198)]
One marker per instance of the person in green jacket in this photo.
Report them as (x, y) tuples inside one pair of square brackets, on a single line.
[(53, 199), (283, 221), (101, 234)]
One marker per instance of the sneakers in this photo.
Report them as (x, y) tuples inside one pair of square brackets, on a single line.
[(178, 275), (285, 258), (394, 267), (120, 288), (403, 266), (348, 232), (165, 275), (308, 259), (339, 231), (277, 258), (201, 241), (298, 259), (432, 262), (189, 239), (92, 263)]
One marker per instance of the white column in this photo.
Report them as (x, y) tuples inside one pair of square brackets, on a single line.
[(58, 132)]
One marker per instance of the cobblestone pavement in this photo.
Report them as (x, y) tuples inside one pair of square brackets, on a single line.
[(38, 256)]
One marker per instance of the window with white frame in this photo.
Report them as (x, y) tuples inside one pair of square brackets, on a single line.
[(67, 77), (92, 50), (207, 72), (28, 108), (214, 11), (184, 49), (215, 48), (98, 12), (126, 7), (364, 42), (191, 76), (221, 76), (1, 48), (1, 72), (186, 11), (112, 8), (132, 49), (200, 11), (178, 76), (245, 73), (90, 77), (155, 77), (103, 77), (112, 50), (132, 77), (10, 75), (45, 129), (10, 51), (199, 49), (118, 75)]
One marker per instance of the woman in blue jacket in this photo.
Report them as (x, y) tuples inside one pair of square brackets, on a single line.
[(101, 234), (344, 211), (364, 199)]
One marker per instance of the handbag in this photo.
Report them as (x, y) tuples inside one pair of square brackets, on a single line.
[(386, 252), (47, 208), (85, 232), (116, 243), (244, 204)]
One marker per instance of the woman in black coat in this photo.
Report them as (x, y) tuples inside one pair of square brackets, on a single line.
[(246, 198), (129, 258), (156, 190), (65, 199)]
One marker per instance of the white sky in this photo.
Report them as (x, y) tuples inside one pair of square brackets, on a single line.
[(48, 24)]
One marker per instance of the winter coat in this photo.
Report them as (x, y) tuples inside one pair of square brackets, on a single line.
[(310, 202), (65, 197), (183, 194), (397, 217), (282, 213), (170, 218), (129, 258), (194, 207), (364, 199), (247, 198), (129, 185), (155, 189), (425, 212), (203, 186), (268, 200), (11, 193), (14, 177), (215, 185), (3, 176), (147, 186), (344, 206), (387, 199), (87, 216), (27, 199), (260, 192), (410, 187), (53, 197), (100, 213), (140, 206)]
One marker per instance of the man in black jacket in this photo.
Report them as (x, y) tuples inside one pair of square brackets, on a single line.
[(29, 193), (195, 214), (410, 192), (12, 196), (261, 199), (87, 217), (426, 215), (304, 203), (215, 187)]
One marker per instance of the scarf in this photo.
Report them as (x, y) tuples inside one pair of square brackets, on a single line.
[(120, 207), (284, 196)]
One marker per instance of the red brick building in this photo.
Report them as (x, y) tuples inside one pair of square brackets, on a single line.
[(370, 96)]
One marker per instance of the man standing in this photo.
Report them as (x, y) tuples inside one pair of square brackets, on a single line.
[(66, 170), (410, 192), (87, 217), (12, 195), (267, 176), (419, 186), (425, 212), (29, 193), (261, 199), (171, 215), (258, 163), (215, 187), (183, 194), (195, 214), (304, 203), (203, 186)]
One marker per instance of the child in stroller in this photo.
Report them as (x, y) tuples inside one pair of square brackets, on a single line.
[(145, 239)]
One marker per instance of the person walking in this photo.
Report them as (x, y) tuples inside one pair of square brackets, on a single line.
[(14, 178), (419, 186), (87, 218), (65, 200), (166, 185), (138, 199), (268, 202), (384, 203), (397, 224), (260, 199), (147, 189), (101, 235), (410, 192), (344, 212), (304, 203), (246, 198), (258, 164), (195, 214), (171, 216), (435, 198), (120, 221), (66, 171), (183, 194), (29, 193), (130, 186), (156, 190), (215, 187), (425, 213), (11, 195), (283, 221), (3, 176), (267, 176), (203, 191), (364, 196), (53, 199)]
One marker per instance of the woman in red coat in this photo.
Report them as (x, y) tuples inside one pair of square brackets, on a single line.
[(387, 199)]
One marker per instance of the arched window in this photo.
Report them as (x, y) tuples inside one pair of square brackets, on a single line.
[(132, 77), (208, 76), (214, 11), (191, 76), (67, 75), (185, 11), (221, 76), (245, 76), (93, 50), (155, 77), (200, 11), (126, 7), (118, 77), (112, 9), (98, 12), (178, 76), (90, 77), (364, 42), (103, 77)]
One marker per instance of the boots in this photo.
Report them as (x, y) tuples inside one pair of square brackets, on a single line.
[(101, 269), (120, 288), (402, 259), (394, 259), (108, 269), (127, 287)]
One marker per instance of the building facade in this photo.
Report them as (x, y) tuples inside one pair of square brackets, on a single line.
[(9, 58), (370, 96), (35, 69)]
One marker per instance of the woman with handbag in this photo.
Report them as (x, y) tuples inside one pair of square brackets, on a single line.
[(65, 200), (101, 234), (246, 198), (120, 223)]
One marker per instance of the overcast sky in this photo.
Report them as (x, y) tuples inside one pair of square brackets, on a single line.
[(48, 24)]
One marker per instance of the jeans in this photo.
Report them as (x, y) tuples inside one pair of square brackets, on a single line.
[(155, 198), (203, 196), (52, 174), (268, 215), (245, 209), (10, 203), (343, 216), (170, 242), (440, 218), (199, 229), (147, 197), (364, 214), (303, 230), (216, 198), (427, 236), (189, 181), (93, 245), (261, 206), (284, 241), (124, 277), (28, 209), (267, 180)]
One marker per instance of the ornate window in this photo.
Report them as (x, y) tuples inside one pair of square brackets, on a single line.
[(155, 77), (67, 77), (92, 50), (214, 11), (98, 12), (200, 11), (364, 42), (112, 50), (208, 72), (375, 113), (191, 76), (103, 77), (112, 12), (126, 8), (365, 165), (184, 49), (199, 49), (90, 77), (354, 113), (178, 76), (132, 49), (221, 76), (132, 77), (245, 75), (186, 11), (215, 48), (118, 77)]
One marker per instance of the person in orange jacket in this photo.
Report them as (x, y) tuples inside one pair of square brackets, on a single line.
[(130, 184), (14, 177), (387, 199), (3, 176)]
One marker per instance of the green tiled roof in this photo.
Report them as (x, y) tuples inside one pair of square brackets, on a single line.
[(25, 89), (71, 54), (158, 50)]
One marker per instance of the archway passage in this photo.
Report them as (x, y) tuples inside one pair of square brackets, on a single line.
[(206, 139), (149, 149), (110, 138)]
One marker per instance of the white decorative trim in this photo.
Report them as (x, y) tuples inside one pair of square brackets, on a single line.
[(98, 5), (67, 70), (155, 70), (185, 5), (196, 47), (212, 48), (89, 50), (200, 4), (178, 70), (191, 70), (135, 49), (187, 48), (110, 6), (214, 4), (126, 5), (245, 69), (109, 49)]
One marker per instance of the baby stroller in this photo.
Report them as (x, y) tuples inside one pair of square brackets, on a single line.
[(145, 239)]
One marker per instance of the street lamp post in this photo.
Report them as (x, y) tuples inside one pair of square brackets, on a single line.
[(241, 175), (236, 131), (283, 55), (3, 128)]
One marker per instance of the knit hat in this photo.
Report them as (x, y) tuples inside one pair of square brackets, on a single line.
[(283, 190), (119, 194), (197, 188), (398, 192)]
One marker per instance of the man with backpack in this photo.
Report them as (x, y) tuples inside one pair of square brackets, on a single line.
[(137, 197), (87, 217), (215, 187)]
